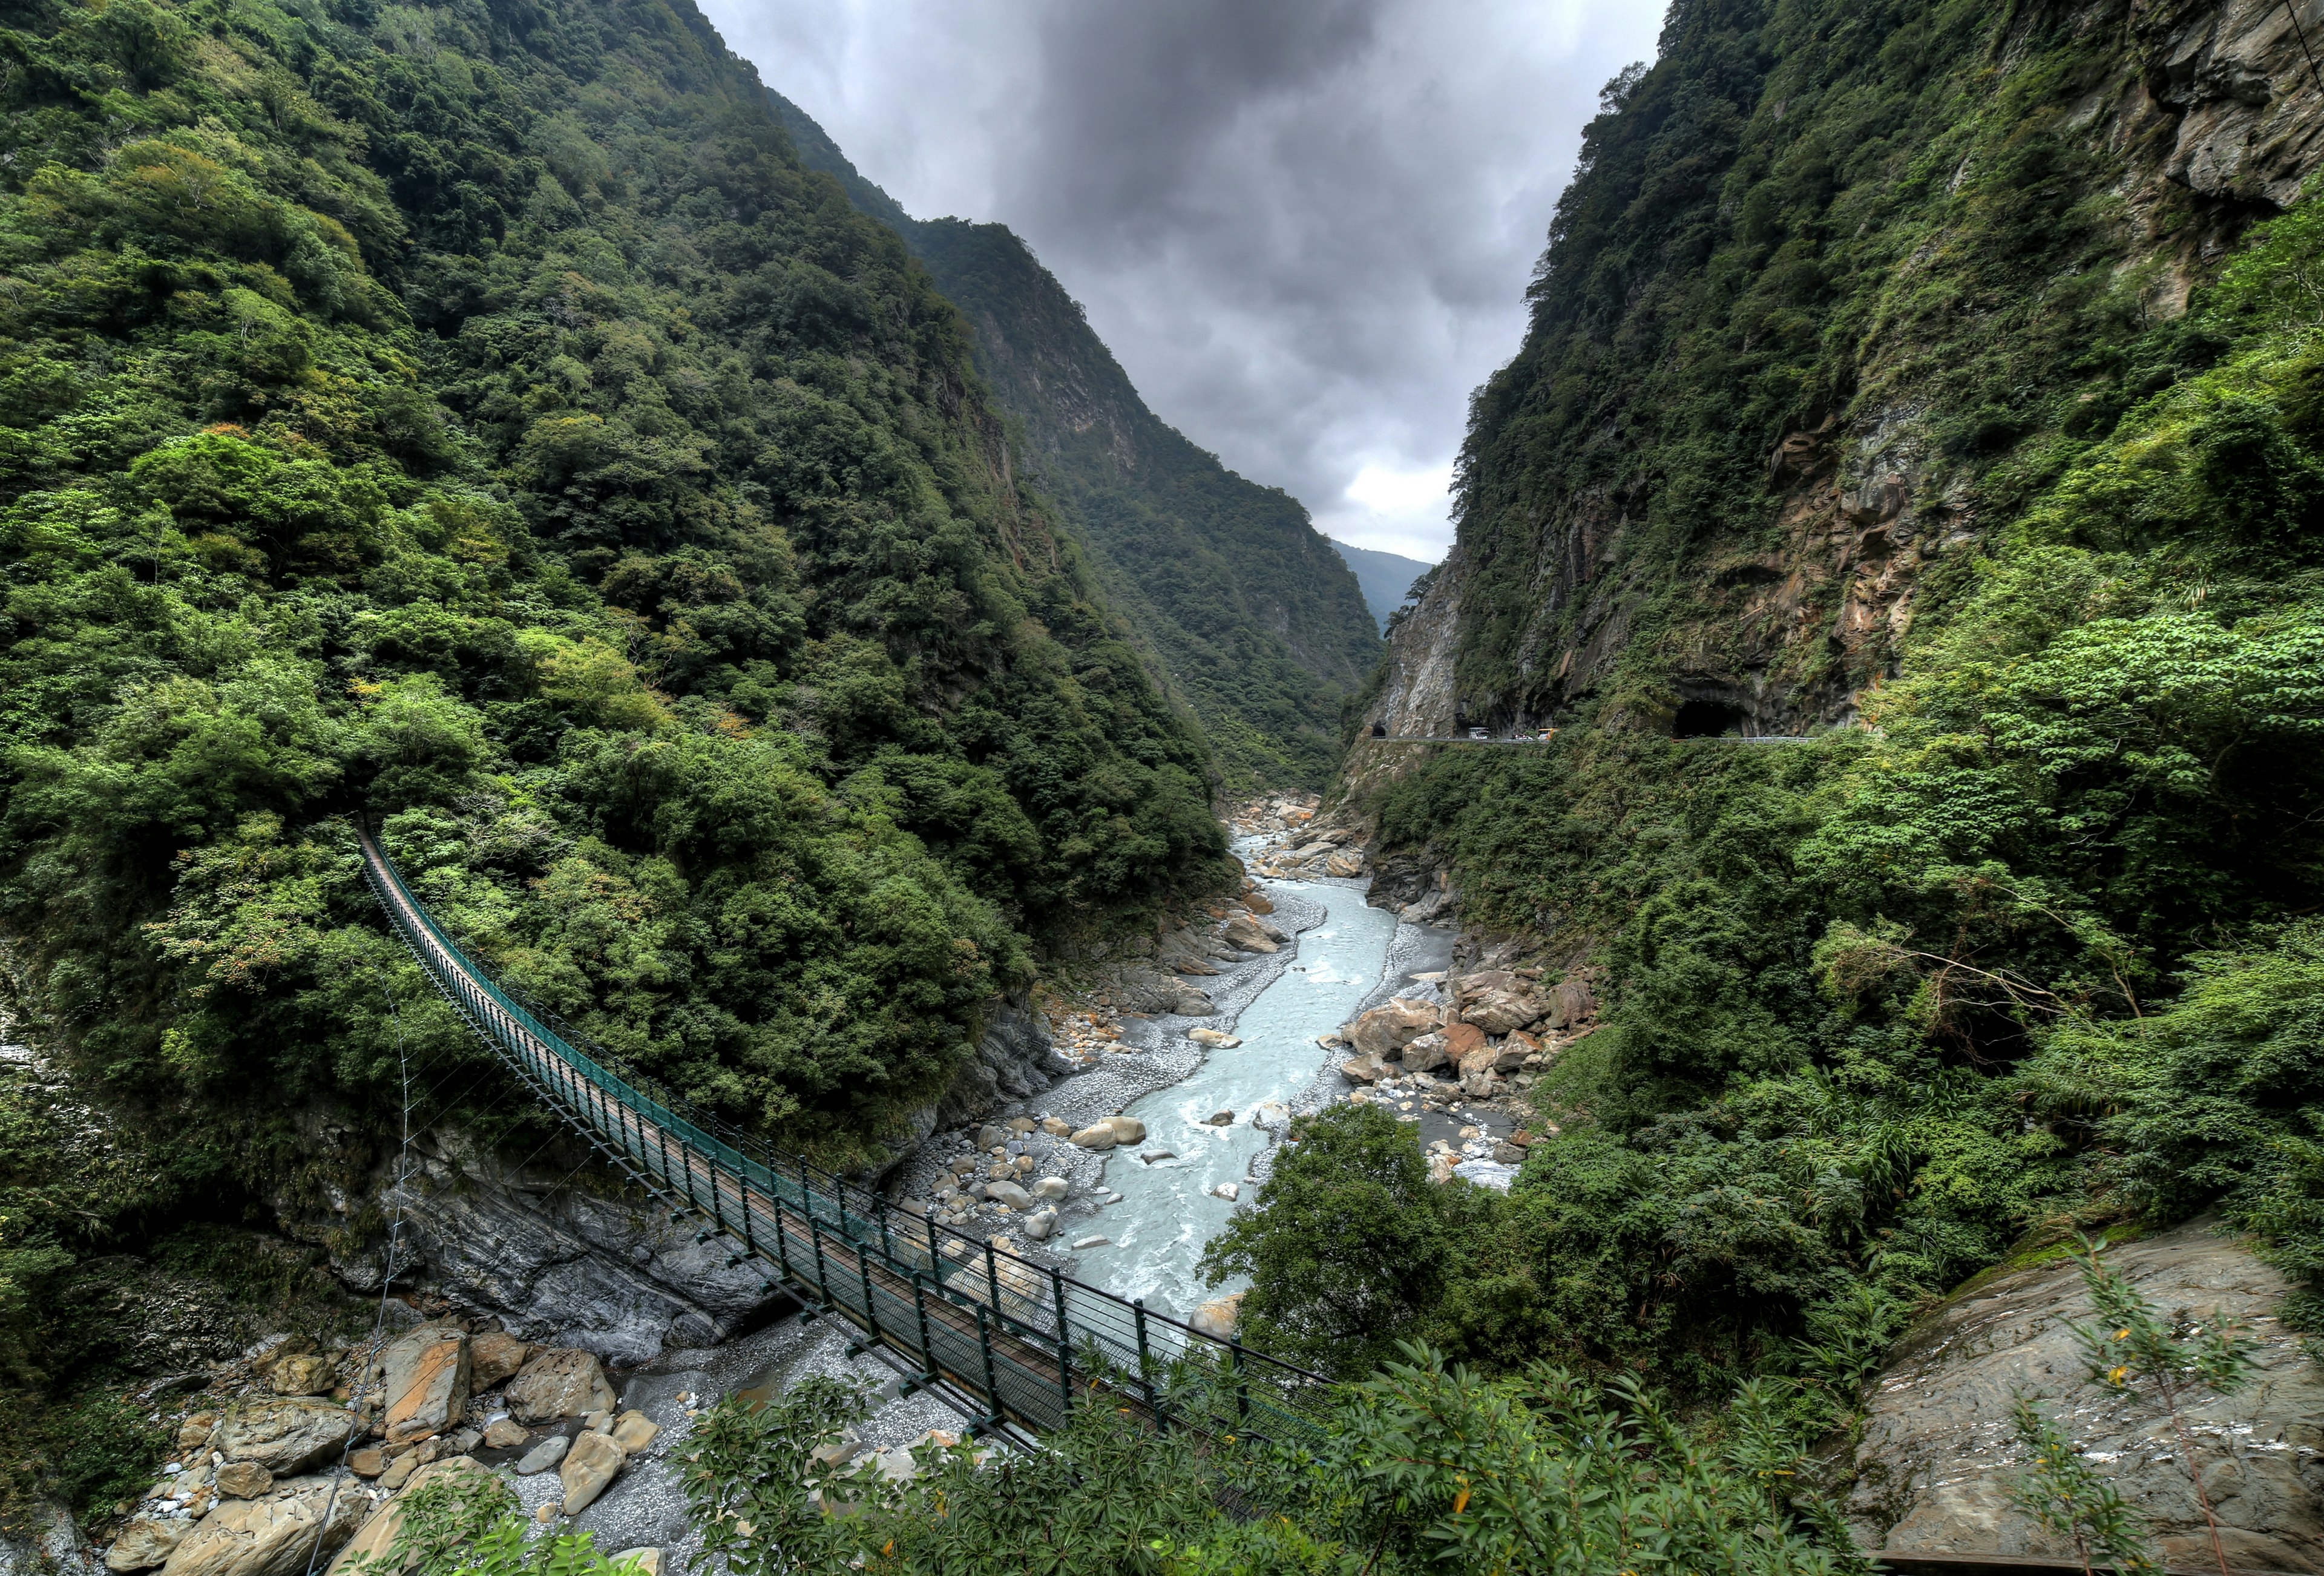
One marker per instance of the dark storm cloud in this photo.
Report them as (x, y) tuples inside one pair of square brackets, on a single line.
[(1304, 226)]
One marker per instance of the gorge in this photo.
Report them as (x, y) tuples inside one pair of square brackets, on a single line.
[(776, 640)]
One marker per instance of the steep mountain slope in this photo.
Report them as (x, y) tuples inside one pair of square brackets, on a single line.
[(1942, 368), (1255, 620), (478, 418), (1386, 578)]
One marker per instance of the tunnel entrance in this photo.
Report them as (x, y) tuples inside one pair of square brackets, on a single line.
[(1707, 719)]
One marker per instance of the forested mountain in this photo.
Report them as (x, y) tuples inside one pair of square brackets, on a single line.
[(477, 418), (1942, 377), (1244, 604), (1387, 578)]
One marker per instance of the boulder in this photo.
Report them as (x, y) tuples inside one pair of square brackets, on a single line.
[(1210, 1036), (544, 1455), (1387, 1028), (194, 1434), (1040, 1224), (305, 1374), (1937, 1452), (371, 1543), (1051, 1188), (1243, 934), (1461, 1041), (561, 1383), (426, 1381), (1096, 1136), (1349, 863), (243, 1480), (1021, 1125), (1497, 1011), (145, 1542), (1127, 1129), (1057, 1127), (992, 1135), (275, 1536), (1365, 1068), (1257, 903), (1575, 1002), (286, 1436), (1426, 1054), (504, 1433), (588, 1468), (1228, 1191), (495, 1356), (633, 1431), (369, 1462), (1219, 1317), (1010, 1194), (1221, 1118)]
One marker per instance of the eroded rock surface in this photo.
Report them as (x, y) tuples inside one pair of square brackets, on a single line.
[(1938, 1449)]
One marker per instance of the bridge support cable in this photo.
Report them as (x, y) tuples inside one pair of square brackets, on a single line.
[(1006, 1339)]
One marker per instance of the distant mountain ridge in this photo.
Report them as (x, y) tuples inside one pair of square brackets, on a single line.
[(1259, 625), (1387, 578)]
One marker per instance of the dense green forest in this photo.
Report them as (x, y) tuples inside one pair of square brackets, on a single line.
[(1247, 608), (476, 417), (2034, 949)]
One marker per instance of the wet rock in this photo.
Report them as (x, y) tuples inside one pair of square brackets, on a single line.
[(1222, 1118), (495, 1356), (275, 1536), (567, 1383), (426, 1381), (588, 1468), (286, 1436), (145, 1542), (1387, 1028), (1127, 1129), (1228, 1191), (544, 1455), (1937, 1450)]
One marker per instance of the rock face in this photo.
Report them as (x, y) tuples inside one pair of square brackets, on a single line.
[(1015, 1060), (558, 1384), (427, 1380), (287, 1436), (557, 1263), (274, 1536), (1937, 1447)]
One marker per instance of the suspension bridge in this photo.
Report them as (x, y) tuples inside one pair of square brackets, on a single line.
[(1011, 1343)]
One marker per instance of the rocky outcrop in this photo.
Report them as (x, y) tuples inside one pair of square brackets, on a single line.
[(559, 1258), (1937, 1450), (1015, 1060)]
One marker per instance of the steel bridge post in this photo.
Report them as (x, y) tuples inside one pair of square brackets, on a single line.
[(1064, 1345), (1146, 1367), (991, 1384)]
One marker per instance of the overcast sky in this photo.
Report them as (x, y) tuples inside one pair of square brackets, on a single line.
[(1304, 226)]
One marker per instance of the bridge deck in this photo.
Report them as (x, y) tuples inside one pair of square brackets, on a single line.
[(1010, 1341)]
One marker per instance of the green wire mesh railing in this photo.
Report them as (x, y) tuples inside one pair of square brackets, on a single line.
[(1017, 1342)]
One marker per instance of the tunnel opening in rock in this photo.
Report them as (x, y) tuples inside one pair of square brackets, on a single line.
[(1707, 719)]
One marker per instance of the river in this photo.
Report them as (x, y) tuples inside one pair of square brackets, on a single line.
[(1168, 1208)]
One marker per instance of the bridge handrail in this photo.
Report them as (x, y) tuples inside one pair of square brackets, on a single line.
[(1230, 1385)]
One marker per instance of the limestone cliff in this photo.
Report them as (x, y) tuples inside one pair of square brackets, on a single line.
[(1827, 278)]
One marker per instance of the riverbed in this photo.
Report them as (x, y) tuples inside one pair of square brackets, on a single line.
[(1171, 1207)]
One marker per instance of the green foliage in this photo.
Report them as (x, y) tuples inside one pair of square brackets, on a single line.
[(2064, 1495), (466, 1524), (1424, 1464), (1881, 1004), (483, 422), (105, 1450)]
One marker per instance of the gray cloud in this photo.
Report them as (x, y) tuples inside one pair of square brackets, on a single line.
[(1304, 226)]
